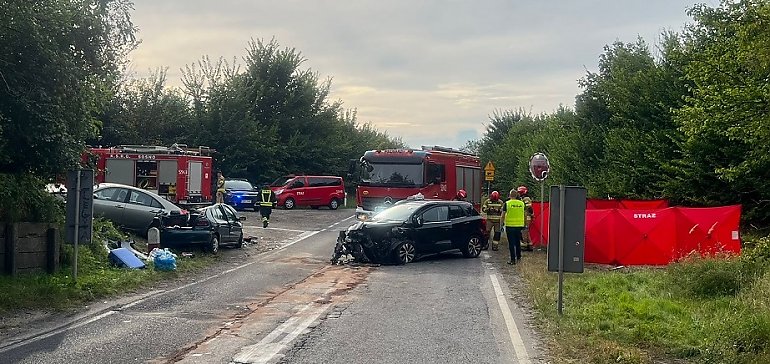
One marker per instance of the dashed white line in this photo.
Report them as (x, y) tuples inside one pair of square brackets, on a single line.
[(513, 331)]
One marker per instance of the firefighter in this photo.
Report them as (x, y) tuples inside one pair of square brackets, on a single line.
[(522, 190), (220, 187), (526, 242), (267, 202), (461, 195), (513, 217), (493, 207)]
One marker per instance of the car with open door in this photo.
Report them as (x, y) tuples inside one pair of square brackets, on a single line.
[(409, 230)]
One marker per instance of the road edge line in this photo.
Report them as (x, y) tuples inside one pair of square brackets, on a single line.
[(522, 357)]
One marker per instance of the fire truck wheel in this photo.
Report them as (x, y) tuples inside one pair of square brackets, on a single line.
[(213, 246), (289, 203), (334, 204)]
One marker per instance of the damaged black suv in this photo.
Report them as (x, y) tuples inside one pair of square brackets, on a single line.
[(412, 229)]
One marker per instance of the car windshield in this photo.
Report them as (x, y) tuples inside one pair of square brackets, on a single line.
[(377, 174), (396, 213), (282, 181), (238, 185)]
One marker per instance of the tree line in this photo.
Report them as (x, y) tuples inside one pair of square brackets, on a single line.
[(63, 86), (688, 121)]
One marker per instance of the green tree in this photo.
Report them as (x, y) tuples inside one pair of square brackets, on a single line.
[(58, 63)]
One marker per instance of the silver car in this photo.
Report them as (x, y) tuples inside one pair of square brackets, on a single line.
[(130, 207)]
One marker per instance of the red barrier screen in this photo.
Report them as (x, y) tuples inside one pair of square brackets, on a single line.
[(652, 236)]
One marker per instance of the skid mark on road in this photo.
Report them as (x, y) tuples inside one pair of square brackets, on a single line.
[(297, 306)]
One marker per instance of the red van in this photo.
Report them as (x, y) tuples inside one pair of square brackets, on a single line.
[(313, 191)]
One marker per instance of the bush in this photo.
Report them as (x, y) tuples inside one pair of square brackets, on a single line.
[(23, 199), (716, 276)]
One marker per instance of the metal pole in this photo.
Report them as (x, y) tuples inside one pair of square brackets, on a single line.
[(562, 197), (77, 229), (542, 213)]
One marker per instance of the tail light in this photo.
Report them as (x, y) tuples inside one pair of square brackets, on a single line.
[(202, 221)]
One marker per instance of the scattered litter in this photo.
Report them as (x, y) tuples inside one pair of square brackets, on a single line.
[(124, 258), (164, 260), (187, 254)]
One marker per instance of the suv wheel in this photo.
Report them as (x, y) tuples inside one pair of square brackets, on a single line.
[(213, 246), (473, 247), (334, 204), (289, 203), (404, 253)]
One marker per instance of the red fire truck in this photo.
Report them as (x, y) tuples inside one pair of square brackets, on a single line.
[(180, 174), (388, 176)]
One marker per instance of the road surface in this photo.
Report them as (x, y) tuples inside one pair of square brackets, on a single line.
[(289, 305)]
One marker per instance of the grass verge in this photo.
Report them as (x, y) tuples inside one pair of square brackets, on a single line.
[(96, 278), (700, 310)]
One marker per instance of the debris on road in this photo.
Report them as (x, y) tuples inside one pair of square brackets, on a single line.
[(124, 258)]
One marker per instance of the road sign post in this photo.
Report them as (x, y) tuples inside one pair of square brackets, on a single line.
[(539, 168), (80, 211), (489, 174), (565, 253)]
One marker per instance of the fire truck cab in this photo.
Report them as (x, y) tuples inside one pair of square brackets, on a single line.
[(180, 174), (388, 176)]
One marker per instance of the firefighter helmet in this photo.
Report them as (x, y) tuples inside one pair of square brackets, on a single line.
[(462, 194), (494, 196), (522, 190)]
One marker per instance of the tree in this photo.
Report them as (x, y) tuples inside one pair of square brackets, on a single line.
[(58, 64)]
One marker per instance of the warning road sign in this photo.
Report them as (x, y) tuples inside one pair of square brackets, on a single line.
[(489, 171)]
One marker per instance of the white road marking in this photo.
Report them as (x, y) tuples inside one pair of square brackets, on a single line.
[(518, 344), (280, 229), (267, 348), (75, 325)]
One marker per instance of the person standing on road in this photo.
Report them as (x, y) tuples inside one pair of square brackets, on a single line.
[(493, 207), (220, 187), (513, 216), (526, 242), (267, 202)]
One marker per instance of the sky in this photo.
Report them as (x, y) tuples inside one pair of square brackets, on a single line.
[(429, 71)]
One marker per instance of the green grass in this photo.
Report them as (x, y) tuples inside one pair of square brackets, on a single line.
[(714, 310), (96, 278)]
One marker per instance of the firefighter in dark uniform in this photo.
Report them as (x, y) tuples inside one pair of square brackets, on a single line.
[(267, 202), (494, 209)]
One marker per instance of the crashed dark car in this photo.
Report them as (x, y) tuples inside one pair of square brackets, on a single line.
[(210, 227), (408, 230)]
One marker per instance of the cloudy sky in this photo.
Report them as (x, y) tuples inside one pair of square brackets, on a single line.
[(429, 71)]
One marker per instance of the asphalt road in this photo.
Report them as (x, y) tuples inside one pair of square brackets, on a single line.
[(289, 305)]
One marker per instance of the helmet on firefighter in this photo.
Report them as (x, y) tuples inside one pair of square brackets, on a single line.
[(462, 194), (494, 196), (522, 190)]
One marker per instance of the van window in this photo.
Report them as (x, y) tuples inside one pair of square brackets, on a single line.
[(332, 181), (316, 182), (298, 183)]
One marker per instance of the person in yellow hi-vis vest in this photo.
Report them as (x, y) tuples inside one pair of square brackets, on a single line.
[(267, 201), (514, 218)]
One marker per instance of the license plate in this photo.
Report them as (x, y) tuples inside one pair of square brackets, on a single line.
[(246, 201)]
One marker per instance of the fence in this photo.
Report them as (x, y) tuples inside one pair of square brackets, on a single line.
[(28, 248)]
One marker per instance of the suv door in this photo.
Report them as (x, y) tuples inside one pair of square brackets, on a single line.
[(234, 225), (461, 225), (433, 235)]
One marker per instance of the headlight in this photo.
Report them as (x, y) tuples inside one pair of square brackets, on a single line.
[(278, 192)]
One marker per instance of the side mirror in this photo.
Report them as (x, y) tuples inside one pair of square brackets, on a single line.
[(418, 221)]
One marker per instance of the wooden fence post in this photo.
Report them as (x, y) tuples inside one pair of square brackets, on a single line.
[(11, 246), (52, 251)]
